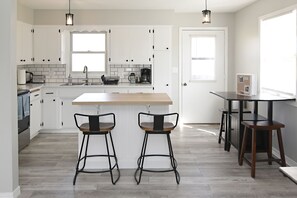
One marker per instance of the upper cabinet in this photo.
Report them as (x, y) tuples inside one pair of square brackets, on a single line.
[(47, 45), (162, 38), (24, 48), (130, 45)]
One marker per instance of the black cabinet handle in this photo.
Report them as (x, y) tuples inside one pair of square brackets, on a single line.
[(49, 93), (31, 105), (48, 60), (54, 100), (132, 60), (167, 85), (43, 59), (127, 60), (167, 48)]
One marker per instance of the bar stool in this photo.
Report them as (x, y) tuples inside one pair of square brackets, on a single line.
[(96, 127), (260, 127), (224, 121), (157, 127)]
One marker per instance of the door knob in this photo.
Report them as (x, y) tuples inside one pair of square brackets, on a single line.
[(185, 84)]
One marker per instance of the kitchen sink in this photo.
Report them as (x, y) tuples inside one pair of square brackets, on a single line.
[(72, 84), (95, 83), (81, 84)]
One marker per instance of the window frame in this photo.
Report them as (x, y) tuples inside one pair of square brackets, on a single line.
[(267, 17), (91, 73)]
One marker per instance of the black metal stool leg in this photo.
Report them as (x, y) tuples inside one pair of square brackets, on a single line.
[(109, 161), (141, 159), (78, 160), (115, 158), (172, 159), (86, 152)]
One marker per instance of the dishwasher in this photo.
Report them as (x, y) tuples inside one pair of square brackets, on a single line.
[(23, 118)]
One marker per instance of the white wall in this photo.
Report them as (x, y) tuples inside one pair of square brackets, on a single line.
[(8, 101), (247, 60), (144, 17), (25, 14)]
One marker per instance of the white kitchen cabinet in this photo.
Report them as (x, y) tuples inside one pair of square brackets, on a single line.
[(35, 113), (24, 47), (130, 45), (162, 72), (66, 96), (47, 45), (162, 37), (50, 109), (141, 90)]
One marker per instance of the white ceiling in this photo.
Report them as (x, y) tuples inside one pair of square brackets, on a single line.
[(176, 5)]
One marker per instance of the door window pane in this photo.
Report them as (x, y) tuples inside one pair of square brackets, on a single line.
[(203, 58)]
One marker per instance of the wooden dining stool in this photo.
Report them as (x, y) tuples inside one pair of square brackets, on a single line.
[(223, 125), (259, 127), (97, 127), (158, 127)]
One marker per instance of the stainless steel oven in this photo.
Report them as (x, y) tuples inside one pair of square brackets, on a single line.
[(23, 118)]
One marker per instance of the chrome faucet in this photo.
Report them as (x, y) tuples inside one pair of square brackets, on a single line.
[(86, 72)]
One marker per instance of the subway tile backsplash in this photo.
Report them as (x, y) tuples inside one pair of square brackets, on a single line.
[(56, 73)]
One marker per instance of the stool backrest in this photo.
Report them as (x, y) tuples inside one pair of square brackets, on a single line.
[(94, 120), (158, 120)]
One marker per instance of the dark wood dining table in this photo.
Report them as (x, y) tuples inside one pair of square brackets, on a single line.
[(261, 97)]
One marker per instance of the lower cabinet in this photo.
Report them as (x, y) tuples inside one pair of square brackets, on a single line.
[(50, 109), (67, 113), (35, 113)]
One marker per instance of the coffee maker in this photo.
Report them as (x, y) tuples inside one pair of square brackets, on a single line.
[(145, 75)]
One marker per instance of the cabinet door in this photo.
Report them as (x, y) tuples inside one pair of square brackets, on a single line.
[(24, 40), (51, 113), (35, 117), (27, 43), (162, 72), (162, 38), (119, 45), (67, 112), (141, 45), (47, 45)]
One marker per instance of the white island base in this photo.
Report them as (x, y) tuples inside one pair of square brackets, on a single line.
[(127, 137)]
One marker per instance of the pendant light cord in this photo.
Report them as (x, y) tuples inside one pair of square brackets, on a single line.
[(205, 4), (69, 6)]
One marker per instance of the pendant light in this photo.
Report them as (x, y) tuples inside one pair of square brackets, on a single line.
[(206, 14), (69, 17)]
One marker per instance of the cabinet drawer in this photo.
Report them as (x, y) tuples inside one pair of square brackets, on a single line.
[(48, 92), (35, 95)]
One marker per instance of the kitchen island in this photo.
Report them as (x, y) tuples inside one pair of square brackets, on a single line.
[(127, 135)]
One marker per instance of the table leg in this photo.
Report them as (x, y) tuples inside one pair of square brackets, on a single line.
[(270, 111), (228, 141)]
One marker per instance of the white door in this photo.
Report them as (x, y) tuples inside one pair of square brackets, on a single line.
[(203, 70)]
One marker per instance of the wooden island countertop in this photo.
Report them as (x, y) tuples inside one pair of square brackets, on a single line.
[(123, 99)]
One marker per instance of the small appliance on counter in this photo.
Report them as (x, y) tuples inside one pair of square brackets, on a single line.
[(29, 77), (21, 76), (110, 80), (132, 78), (38, 79), (145, 75)]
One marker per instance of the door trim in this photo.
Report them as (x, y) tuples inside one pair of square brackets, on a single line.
[(181, 29)]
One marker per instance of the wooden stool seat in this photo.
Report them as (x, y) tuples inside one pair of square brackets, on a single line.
[(149, 126), (105, 127), (262, 126)]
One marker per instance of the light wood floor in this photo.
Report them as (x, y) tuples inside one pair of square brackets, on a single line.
[(47, 169)]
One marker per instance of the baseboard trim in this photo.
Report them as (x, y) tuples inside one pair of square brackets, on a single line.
[(289, 161), (13, 194)]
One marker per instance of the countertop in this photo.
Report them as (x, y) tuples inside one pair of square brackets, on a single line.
[(32, 86), (122, 99)]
